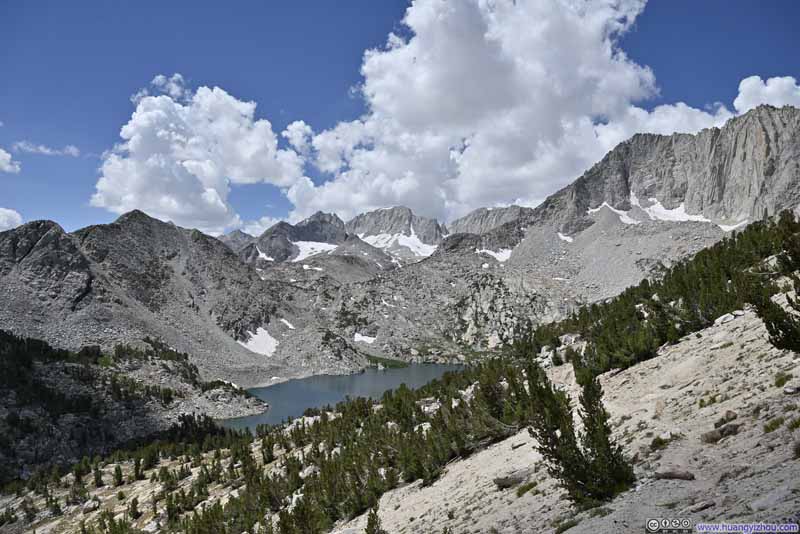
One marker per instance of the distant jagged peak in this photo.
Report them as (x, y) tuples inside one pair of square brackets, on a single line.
[(321, 217), (239, 233), (138, 216), (237, 239), (39, 226), (397, 220)]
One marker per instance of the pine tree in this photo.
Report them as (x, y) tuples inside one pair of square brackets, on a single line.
[(374, 522), (609, 472), (552, 427), (98, 477), (118, 481), (133, 509)]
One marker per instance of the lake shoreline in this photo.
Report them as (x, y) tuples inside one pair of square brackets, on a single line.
[(291, 397)]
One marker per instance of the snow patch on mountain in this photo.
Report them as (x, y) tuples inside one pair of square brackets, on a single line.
[(310, 248), (263, 256), (501, 255), (731, 227), (623, 215), (566, 238), (289, 325), (260, 342), (364, 339), (657, 212), (390, 241)]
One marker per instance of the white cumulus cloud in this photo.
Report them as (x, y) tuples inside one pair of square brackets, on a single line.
[(488, 103), (7, 164), (256, 228), (9, 219), (31, 148), (182, 150), (475, 103), (779, 91)]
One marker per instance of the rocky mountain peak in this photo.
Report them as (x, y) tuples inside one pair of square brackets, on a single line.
[(321, 227), (399, 231), (397, 220), (236, 239), (730, 175)]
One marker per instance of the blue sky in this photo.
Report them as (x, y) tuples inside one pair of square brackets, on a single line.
[(69, 70)]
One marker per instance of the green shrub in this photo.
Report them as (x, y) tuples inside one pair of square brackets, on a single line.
[(794, 424), (525, 488), (566, 525), (782, 378), (773, 424)]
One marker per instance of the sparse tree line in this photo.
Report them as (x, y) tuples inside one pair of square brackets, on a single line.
[(305, 477)]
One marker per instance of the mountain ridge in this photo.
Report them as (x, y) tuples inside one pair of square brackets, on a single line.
[(137, 276)]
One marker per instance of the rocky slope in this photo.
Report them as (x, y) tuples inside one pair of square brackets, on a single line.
[(726, 373)]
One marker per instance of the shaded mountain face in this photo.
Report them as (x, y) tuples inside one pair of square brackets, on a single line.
[(236, 240), (136, 277), (399, 231), (321, 232)]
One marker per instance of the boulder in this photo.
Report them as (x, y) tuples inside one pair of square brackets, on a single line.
[(511, 480), (674, 474), (712, 436), (729, 416), (728, 317), (90, 506)]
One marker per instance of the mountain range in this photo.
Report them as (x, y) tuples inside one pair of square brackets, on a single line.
[(326, 296)]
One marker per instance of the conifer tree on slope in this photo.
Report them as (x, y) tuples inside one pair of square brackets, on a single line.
[(591, 468), (374, 522), (609, 472)]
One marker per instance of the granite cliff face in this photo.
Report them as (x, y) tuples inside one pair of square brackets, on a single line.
[(740, 172), (484, 220)]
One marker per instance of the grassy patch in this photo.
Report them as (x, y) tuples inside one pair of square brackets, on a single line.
[(658, 443), (794, 424), (782, 378), (600, 511), (566, 525), (773, 424), (525, 488), (711, 399)]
